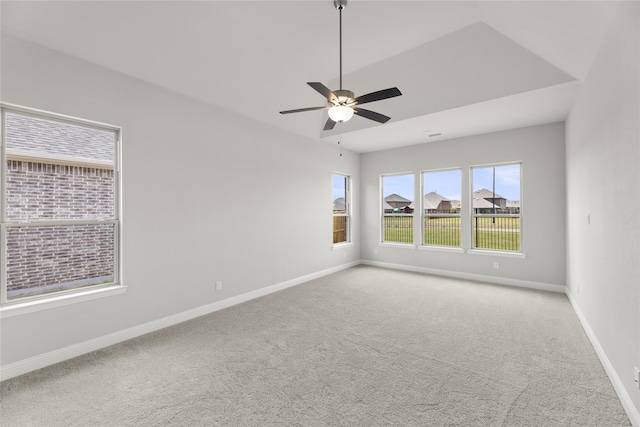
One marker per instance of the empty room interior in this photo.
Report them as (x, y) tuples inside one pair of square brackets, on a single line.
[(201, 225)]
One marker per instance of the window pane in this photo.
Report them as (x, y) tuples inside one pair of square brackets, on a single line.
[(340, 229), (46, 138), (496, 191), (339, 194), (43, 191), (441, 207), (57, 170), (340, 185), (43, 259), (397, 207)]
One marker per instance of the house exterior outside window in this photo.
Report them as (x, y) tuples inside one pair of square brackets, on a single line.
[(60, 215), (397, 208), (496, 216), (441, 225)]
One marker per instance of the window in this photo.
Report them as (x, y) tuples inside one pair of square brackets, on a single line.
[(397, 208), (341, 208), (441, 207), (496, 210), (59, 222)]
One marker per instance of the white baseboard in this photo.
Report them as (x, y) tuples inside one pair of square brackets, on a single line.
[(37, 362), (625, 398), (470, 276)]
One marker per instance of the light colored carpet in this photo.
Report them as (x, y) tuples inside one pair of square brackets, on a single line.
[(363, 347)]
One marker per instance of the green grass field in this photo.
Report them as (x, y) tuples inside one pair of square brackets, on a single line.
[(488, 233)]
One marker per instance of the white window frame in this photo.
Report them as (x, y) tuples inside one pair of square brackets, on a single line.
[(424, 215), (70, 296), (384, 242), (472, 215), (347, 214)]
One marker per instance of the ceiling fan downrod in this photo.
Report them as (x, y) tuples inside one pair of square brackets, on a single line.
[(340, 5)]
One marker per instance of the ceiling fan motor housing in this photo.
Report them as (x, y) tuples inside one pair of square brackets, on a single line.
[(345, 97)]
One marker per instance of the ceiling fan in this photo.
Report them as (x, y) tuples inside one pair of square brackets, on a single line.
[(342, 104)]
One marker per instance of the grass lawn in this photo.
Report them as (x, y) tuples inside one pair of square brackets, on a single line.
[(488, 233)]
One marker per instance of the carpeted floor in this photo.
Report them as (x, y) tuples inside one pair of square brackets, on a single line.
[(363, 347)]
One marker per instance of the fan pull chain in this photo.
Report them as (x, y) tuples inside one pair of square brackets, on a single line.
[(340, 146)]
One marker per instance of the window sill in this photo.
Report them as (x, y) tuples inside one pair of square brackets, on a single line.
[(442, 249), (341, 245), (31, 306), (398, 245), (497, 253)]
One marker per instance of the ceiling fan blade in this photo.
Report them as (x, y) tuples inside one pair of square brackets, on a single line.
[(324, 91), (371, 115), (329, 125), (377, 96), (299, 110)]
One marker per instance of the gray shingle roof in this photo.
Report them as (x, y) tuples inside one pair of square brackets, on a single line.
[(486, 194), (37, 136), (432, 200), (339, 204), (396, 198)]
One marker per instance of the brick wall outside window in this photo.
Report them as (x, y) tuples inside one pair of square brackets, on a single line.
[(58, 256), (40, 191)]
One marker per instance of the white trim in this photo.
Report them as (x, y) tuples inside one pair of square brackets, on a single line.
[(37, 362), (623, 395), (451, 249), (59, 300), (342, 245), (398, 245), (496, 253), (470, 276)]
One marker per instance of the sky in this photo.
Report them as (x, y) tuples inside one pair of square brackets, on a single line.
[(337, 184), (447, 183)]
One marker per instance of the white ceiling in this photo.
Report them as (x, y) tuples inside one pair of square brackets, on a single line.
[(464, 67)]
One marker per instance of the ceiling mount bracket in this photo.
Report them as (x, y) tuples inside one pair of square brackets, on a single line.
[(340, 4)]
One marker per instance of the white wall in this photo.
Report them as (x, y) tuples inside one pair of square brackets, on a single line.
[(207, 195), (541, 151), (603, 182)]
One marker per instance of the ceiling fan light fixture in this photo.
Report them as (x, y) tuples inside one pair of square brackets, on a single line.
[(340, 113)]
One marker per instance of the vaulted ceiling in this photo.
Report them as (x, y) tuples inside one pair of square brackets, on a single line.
[(464, 67)]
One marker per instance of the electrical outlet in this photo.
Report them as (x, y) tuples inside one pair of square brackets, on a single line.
[(218, 285), (496, 265), (636, 377)]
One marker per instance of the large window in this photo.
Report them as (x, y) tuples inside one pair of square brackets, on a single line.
[(341, 208), (441, 207), (397, 208), (59, 231), (496, 207)]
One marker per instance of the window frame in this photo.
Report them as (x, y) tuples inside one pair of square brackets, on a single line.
[(424, 215), (472, 215), (68, 296), (347, 213), (381, 203)]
